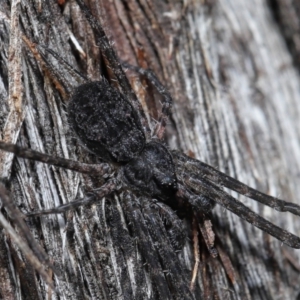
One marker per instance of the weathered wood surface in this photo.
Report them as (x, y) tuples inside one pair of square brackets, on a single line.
[(236, 91)]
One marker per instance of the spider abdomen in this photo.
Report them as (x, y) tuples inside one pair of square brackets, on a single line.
[(106, 122), (152, 172)]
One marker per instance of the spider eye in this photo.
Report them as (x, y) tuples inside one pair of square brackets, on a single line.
[(168, 181)]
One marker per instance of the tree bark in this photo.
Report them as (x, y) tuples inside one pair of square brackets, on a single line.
[(233, 73)]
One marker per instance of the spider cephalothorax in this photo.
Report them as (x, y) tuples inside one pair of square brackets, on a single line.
[(152, 172), (152, 180)]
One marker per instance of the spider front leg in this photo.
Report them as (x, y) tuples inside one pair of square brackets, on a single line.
[(167, 99), (175, 274), (199, 207), (125, 252), (146, 245), (201, 169), (173, 225), (211, 191)]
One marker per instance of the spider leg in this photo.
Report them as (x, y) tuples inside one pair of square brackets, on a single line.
[(173, 225), (57, 76), (122, 241), (114, 63), (167, 99), (76, 74), (140, 230), (177, 281), (91, 169), (126, 253), (215, 176), (215, 193), (109, 187), (201, 207), (32, 250)]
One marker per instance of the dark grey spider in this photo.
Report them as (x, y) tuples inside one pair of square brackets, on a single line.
[(111, 124)]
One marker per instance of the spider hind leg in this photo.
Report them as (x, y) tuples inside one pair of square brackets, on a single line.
[(166, 102), (114, 63)]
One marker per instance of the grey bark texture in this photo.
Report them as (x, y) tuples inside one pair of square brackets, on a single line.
[(232, 68)]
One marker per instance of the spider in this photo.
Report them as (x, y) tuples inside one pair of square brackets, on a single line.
[(110, 123)]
